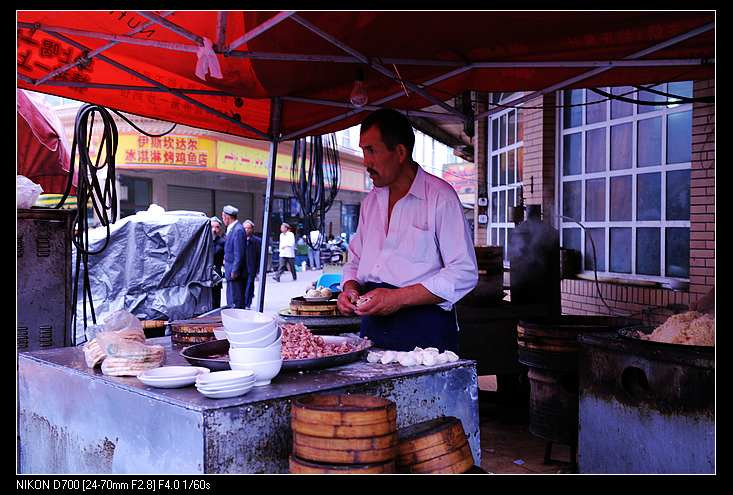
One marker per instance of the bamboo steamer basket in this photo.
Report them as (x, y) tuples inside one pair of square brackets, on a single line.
[(455, 462), (344, 410), (301, 466), (369, 443), (435, 439), (299, 306), (344, 456), (344, 431)]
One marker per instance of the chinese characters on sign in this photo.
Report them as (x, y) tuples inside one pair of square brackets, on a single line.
[(166, 150)]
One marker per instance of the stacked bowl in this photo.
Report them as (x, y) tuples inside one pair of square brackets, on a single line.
[(254, 343), (225, 384)]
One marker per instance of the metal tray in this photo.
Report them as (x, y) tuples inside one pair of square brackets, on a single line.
[(199, 355), (633, 333)]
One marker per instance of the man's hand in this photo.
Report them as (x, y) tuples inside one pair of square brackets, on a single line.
[(380, 302), (346, 302)]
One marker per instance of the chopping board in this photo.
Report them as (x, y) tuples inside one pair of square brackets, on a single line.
[(299, 306), (194, 331)]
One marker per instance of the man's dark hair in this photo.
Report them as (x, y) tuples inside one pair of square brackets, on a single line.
[(394, 127)]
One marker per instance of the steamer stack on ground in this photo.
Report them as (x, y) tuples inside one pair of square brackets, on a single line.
[(343, 434), (436, 446)]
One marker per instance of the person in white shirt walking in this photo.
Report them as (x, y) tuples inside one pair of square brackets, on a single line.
[(412, 256), (287, 252)]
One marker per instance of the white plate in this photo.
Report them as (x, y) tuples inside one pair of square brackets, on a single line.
[(224, 388), (227, 377), (225, 395), (317, 299), (171, 381)]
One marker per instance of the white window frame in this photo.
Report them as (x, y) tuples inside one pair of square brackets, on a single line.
[(662, 224), (505, 187)]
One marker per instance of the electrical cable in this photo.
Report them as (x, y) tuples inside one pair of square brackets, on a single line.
[(315, 177), (89, 189), (140, 130)]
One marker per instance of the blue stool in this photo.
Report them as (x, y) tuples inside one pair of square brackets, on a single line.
[(330, 280)]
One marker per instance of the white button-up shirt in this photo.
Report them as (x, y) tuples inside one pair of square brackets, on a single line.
[(428, 241), (287, 243)]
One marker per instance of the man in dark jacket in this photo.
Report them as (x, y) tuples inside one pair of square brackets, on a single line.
[(234, 257), (252, 261), (217, 230)]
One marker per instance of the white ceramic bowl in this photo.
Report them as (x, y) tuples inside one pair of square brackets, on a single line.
[(259, 331), (220, 333), (264, 371), (262, 341), (222, 378), (255, 354), (243, 320)]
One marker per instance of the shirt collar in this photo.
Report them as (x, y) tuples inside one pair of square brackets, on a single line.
[(231, 226), (417, 188)]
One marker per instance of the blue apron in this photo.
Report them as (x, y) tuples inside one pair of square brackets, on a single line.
[(414, 326)]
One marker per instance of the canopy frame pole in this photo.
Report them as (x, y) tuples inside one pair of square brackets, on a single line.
[(94, 53), (275, 114), (122, 87), (221, 29), (379, 67), (171, 26), (162, 86), (268, 24), (331, 103), (594, 72), (393, 96)]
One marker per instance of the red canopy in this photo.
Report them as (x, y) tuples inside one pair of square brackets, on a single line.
[(149, 61)]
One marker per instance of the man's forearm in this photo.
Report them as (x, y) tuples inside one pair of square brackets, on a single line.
[(416, 295)]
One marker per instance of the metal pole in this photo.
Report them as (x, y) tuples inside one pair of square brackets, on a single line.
[(270, 23), (275, 133)]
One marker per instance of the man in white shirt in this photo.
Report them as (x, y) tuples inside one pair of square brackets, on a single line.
[(287, 252), (412, 256)]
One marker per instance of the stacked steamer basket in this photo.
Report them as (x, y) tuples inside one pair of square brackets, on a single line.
[(194, 331), (435, 446), (343, 434), (301, 306)]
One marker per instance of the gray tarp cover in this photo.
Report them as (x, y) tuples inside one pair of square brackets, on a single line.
[(156, 266)]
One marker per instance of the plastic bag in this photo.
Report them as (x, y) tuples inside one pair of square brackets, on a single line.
[(27, 191), (124, 321)]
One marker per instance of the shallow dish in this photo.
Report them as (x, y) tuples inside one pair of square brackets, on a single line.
[(317, 299), (222, 378), (226, 388), (226, 394), (163, 379)]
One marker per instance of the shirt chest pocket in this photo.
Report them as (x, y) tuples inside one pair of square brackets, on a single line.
[(419, 244)]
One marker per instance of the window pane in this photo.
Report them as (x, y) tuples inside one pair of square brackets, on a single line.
[(648, 196), (520, 125), (511, 168), (571, 154), (494, 134), (647, 251), (572, 116), (520, 163), (494, 237), (649, 144), (571, 239), (679, 137), (678, 195), (620, 254), (647, 96), (502, 206), (595, 200), (620, 208), (512, 197), (511, 122), (502, 131), (571, 199), (595, 150), (495, 170), (596, 112), (621, 146), (678, 252), (599, 239), (620, 108), (682, 88), (502, 169), (494, 207)]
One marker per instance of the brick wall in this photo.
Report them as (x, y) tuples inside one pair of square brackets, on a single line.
[(580, 296), (538, 174)]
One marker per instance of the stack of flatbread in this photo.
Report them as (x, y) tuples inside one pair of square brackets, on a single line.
[(96, 349), (690, 328), (130, 358)]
